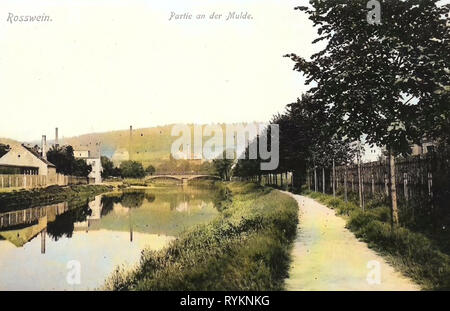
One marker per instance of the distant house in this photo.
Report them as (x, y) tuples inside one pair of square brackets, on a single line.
[(95, 162), (120, 155), (425, 146), (24, 160)]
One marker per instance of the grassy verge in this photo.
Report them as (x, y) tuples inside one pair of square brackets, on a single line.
[(22, 199), (247, 247), (413, 253)]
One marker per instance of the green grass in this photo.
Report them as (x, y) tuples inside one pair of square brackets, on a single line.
[(413, 253), (247, 247), (22, 199)]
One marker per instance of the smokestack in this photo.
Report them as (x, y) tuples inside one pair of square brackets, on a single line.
[(129, 142), (56, 137), (44, 147)]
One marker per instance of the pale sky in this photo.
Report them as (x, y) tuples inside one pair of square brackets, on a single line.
[(103, 65)]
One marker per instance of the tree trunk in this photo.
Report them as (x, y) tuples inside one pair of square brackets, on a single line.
[(334, 180), (345, 184), (361, 204), (323, 180), (394, 209), (308, 180), (315, 179)]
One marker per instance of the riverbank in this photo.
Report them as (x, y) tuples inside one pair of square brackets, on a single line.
[(22, 199), (412, 253), (247, 247), (327, 256)]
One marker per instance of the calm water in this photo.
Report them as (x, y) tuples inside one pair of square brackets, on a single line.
[(40, 248)]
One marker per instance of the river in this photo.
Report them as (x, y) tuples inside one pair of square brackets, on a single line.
[(65, 247)]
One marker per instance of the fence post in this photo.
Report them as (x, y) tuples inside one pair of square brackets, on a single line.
[(405, 186), (386, 188), (373, 185), (430, 184)]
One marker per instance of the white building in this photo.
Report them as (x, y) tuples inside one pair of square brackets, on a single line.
[(95, 162)]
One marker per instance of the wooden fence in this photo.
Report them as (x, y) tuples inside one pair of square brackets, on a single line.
[(36, 181), (418, 179)]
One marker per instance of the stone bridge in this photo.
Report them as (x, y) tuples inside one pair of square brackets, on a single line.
[(183, 177)]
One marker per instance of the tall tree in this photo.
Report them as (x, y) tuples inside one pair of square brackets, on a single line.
[(388, 80), (81, 168), (132, 169), (108, 167), (222, 166), (150, 170), (63, 158)]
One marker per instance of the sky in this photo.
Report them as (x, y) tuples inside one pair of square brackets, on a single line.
[(102, 65)]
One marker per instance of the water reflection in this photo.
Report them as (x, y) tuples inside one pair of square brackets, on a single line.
[(101, 233)]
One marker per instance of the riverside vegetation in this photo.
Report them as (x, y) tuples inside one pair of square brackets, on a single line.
[(416, 254), (246, 247)]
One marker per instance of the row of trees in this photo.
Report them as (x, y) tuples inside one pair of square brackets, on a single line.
[(134, 169), (127, 169), (184, 166), (388, 82)]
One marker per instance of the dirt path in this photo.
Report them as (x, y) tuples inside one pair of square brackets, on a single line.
[(327, 256)]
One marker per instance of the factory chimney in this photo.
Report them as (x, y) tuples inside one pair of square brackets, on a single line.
[(56, 138), (44, 147), (129, 143)]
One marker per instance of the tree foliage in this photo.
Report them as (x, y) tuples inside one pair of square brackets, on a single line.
[(150, 170), (222, 166), (132, 169), (305, 140), (4, 149), (389, 81), (108, 168), (65, 162)]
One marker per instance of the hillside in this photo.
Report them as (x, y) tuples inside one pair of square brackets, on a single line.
[(146, 145), (7, 141)]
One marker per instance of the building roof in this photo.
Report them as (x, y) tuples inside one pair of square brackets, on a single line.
[(37, 155)]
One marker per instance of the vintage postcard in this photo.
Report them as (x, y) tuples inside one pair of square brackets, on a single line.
[(223, 146)]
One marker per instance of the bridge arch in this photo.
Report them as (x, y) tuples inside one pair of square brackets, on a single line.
[(178, 178)]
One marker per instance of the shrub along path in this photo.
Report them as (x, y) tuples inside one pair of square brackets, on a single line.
[(327, 256)]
